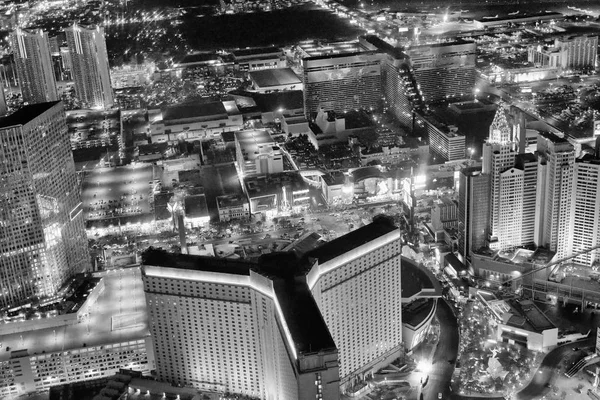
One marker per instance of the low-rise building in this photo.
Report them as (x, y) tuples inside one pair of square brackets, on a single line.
[(336, 189), (111, 333), (274, 80), (519, 322), (256, 59), (195, 121), (257, 153), (232, 207)]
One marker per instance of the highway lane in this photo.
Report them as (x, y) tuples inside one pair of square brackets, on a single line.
[(446, 350)]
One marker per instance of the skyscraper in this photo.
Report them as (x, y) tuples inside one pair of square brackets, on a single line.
[(342, 82), (42, 236), (527, 163), (444, 70), (586, 211), (555, 191), (90, 70), (31, 51), (473, 210), (506, 184)]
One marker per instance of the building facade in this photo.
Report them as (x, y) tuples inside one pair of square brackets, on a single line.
[(42, 235), (445, 70), (473, 210), (578, 52), (498, 157), (90, 70), (586, 211), (283, 327), (342, 82), (555, 186), (31, 50)]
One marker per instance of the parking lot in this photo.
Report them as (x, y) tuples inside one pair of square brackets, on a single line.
[(109, 193)]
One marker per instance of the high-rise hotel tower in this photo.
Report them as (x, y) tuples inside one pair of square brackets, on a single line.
[(90, 69), (31, 50), (42, 235), (283, 327)]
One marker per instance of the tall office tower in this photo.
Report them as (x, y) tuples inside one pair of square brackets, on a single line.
[(529, 165), (342, 82), (31, 51), (578, 52), (42, 236), (280, 327), (586, 211), (89, 61), (473, 210), (444, 70), (506, 184), (555, 185)]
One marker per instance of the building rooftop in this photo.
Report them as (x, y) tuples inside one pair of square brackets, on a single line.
[(334, 178), (206, 58), (528, 316), (415, 279), (195, 206), (313, 48), (119, 316), (194, 110), (416, 312), (264, 185), (274, 77), (250, 141), (26, 114), (225, 201), (256, 51), (161, 258), (335, 248)]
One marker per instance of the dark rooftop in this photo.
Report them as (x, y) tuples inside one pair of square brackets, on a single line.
[(274, 77), (288, 100), (161, 258), (26, 114), (198, 58), (365, 173), (302, 315), (416, 278), (193, 110), (195, 206), (343, 244), (415, 313)]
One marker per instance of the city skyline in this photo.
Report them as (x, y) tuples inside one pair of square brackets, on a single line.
[(299, 200)]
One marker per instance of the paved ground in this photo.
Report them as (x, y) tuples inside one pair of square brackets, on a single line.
[(116, 192)]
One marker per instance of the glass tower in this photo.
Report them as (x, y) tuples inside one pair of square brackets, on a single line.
[(42, 235)]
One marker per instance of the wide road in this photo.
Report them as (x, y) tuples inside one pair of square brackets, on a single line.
[(549, 368), (446, 350)]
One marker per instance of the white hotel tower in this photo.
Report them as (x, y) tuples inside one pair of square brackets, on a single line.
[(282, 327)]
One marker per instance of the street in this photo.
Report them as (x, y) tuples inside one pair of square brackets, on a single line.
[(446, 350)]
